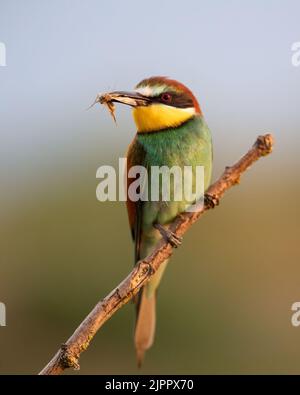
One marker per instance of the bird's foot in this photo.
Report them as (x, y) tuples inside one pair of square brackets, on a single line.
[(169, 236), (211, 200)]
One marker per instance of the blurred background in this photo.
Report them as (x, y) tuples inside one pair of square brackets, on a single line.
[(225, 302)]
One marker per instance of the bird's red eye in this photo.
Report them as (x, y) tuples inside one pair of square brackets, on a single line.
[(166, 97)]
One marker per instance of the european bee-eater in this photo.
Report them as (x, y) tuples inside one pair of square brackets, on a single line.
[(171, 131)]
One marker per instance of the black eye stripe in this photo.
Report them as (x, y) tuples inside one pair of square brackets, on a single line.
[(179, 100)]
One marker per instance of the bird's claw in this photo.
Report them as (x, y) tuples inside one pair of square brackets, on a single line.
[(169, 236), (174, 240), (211, 200)]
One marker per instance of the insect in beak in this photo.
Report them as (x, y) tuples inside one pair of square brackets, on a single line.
[(132, 99)]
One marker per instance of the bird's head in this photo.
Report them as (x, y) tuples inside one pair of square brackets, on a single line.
[(159, 103)]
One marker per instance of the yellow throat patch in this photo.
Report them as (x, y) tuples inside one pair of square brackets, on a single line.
[(160, 116)]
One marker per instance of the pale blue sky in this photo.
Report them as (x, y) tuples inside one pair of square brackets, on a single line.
[(235, 56)]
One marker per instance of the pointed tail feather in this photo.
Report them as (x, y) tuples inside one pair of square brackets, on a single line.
[(145, 325), (146, 315)]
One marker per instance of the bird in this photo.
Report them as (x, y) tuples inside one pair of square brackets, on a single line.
[(171, 131)]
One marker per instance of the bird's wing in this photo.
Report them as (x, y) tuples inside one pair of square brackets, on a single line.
[(145, 306), (135, 157)]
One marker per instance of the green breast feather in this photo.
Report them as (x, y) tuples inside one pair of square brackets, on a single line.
[(187, 145)]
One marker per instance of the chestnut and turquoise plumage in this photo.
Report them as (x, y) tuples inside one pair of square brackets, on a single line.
[(171, 131)]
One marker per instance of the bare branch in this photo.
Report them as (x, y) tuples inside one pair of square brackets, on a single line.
[(68, 354)]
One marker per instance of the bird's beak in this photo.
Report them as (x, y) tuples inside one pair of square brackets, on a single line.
[(132, 99)]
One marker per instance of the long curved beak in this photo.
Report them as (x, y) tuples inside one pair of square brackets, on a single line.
[(132, 99)]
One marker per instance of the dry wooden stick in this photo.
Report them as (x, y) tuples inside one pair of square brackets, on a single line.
[(68, 354)]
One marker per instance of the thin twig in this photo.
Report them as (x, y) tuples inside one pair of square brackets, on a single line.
[(68, 354)]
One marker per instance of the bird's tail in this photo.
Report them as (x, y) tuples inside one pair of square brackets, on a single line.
[(145, 325), (146, 315)]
